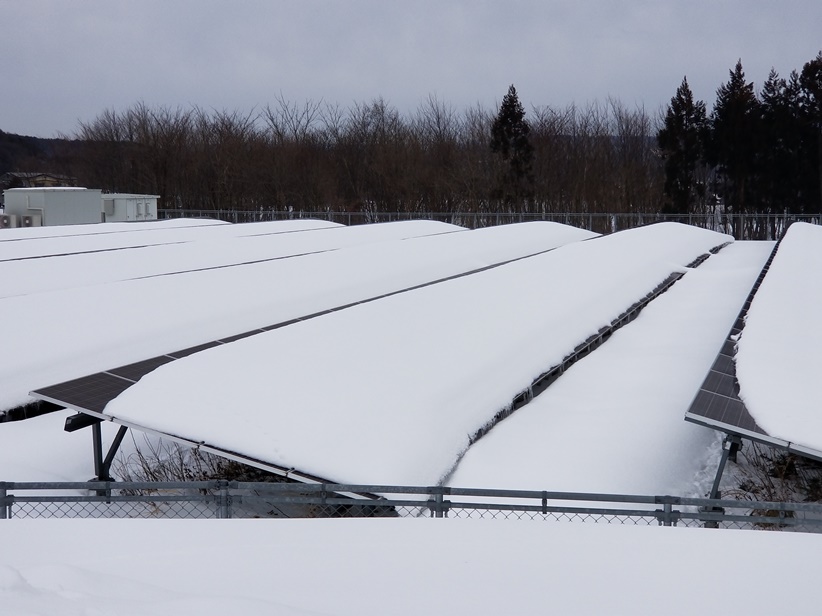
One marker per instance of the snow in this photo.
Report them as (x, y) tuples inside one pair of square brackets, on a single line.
[(58, 245), (779, 354), (613, 422), (69, 333), (33, 233), (247, 243), (403, 567), (390, 391), (620, 428), (38, 449)]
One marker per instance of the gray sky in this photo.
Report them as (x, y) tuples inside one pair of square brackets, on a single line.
[(67, 60)]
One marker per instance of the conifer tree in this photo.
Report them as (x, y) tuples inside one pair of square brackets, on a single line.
[(510, 141), (681, 140), (810, 82), (780, 159), (733, 144)]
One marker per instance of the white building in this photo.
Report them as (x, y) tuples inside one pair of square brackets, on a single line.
[(52, 206), (124, 207), (63, 205)]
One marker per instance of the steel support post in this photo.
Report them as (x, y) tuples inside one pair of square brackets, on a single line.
[(731, 442), (112, 451), (3, 505), (97, 442), (729, 445)]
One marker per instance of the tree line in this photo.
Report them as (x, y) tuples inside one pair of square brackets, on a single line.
[(368, 157), (754, 153)]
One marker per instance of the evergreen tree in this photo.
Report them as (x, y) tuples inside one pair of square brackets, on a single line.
[(780, 158), (810, 82), (510, 141), (733, 143), (681, 140)]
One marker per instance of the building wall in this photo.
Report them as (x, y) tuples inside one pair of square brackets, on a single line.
[(129, 208), (57, 206)]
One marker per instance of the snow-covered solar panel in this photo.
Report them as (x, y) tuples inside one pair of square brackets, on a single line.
[(249, 243), (35, 233), (626, 435), (763, 385), (60, 245), (81, 331), (390, 391)]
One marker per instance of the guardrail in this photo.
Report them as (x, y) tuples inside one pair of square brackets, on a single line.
[(741, 226), (228, 499)]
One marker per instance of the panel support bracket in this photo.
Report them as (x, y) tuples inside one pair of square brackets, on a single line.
[(102, 466)]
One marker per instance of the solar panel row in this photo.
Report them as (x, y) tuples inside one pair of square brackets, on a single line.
[(717, 404), (112, 382), (94, 391)]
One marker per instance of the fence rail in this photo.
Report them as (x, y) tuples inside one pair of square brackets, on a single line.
[(740, 226), (228, 499)]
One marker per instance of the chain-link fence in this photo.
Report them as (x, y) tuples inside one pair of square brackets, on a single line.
[(231, 499)]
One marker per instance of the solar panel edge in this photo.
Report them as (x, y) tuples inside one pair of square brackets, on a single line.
[(292, 473)]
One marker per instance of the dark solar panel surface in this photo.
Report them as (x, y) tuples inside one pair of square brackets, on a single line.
[(91, 392)]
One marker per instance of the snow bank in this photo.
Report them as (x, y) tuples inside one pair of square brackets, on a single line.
[(402, 567), (613, 422), (390, 391), (73, 332), (779, 355)]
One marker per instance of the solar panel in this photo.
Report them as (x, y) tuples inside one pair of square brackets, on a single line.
[(717, 404), (91, 392), (134, 372)]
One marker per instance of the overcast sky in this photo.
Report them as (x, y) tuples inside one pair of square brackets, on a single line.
[(67, 60)]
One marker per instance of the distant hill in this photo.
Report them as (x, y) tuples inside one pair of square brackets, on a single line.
[(23, 153)]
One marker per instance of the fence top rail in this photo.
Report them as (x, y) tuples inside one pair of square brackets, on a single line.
[(379, 493)]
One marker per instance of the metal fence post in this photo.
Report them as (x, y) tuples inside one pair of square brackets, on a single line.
[(3, 504), (224, 501)]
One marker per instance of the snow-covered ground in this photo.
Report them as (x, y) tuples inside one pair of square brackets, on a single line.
[(779, 355), (69, 333), (614, 422), (390, 392), (38, 449), (401, 567)]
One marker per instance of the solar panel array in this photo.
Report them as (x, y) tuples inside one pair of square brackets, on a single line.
[(95, 391), (91, 394), (717, 404)]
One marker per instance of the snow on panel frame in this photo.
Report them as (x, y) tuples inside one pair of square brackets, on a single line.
[(779, 355), (89, 329), (390, 391)]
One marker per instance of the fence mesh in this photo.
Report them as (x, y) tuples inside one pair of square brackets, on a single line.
[(223, 499)]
